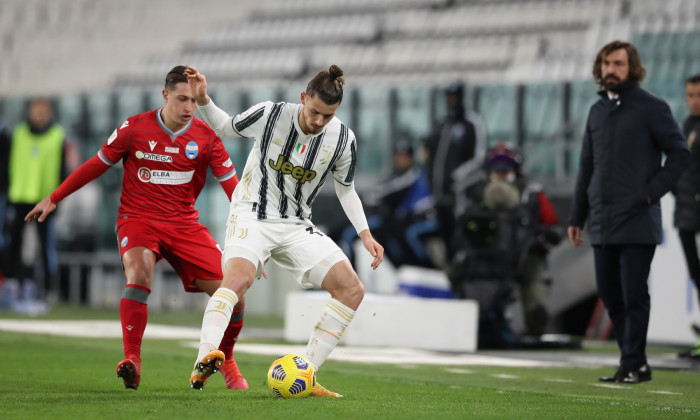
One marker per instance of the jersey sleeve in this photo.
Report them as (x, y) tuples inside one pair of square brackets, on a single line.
[(220, 162), (344, 168), (251, 123), (117, 145), (85, 173), (248, 124)]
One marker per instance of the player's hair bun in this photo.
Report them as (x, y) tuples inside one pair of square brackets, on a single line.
[(336, 73)]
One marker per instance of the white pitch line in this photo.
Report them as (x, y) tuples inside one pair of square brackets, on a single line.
[(665, 392), (388, 355), (563, 381), (455, 370), (112, 329), (505, 376), (611, 386)]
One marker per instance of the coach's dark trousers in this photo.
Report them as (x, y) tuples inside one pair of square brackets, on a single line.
[(621, 275), (692, 259)]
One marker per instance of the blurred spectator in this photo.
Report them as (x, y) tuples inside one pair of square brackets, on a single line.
[(686, 217), (37, 162), (4, 158), (400, 212), (503, 239), (454, 150)]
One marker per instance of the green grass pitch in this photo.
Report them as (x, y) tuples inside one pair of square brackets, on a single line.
[(49, 377)]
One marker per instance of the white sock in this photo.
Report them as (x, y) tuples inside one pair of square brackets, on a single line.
[(326, 335), (215, 320)]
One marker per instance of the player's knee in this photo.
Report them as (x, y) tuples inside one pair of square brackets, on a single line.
[(358, 292), (239, 283), (139, 263), (353, 294), (139, 276)]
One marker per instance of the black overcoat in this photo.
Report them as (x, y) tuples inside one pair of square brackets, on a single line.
[(687, 213), (621, 167)]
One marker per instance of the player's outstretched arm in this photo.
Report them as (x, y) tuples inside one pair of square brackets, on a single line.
[(85, 173), (41, 210)]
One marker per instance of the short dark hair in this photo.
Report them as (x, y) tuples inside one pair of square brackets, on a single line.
[(637, 71), (175, 75), (328, 84), (693, 80)]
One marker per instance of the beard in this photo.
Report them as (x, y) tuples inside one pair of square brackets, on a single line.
[(612, 83)]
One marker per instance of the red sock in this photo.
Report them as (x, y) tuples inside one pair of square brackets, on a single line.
[(134, 316), (231, 334)]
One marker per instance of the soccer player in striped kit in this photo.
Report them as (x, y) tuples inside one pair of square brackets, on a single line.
[(297, 148), (165, 153)]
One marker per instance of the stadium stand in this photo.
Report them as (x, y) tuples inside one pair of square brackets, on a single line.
[(526, 64)]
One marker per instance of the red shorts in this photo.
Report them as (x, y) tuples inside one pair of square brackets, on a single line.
[(189, 248)]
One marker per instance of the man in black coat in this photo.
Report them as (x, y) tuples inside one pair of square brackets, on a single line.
[(686, 217), (455, 149), (619, 187)]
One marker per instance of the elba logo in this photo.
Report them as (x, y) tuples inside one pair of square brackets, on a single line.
[(164, 177)]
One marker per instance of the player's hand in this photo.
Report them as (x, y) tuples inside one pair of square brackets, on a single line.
[(41, 210), (574, 233), (198, 85), (375, 250), (264, 272)]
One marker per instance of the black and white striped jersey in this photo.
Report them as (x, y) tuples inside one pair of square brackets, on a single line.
[(286, 168)]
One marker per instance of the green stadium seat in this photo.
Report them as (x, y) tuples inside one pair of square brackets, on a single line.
[(496, 104), (372, 130), (130, 102), (413, 114), (100, 118)]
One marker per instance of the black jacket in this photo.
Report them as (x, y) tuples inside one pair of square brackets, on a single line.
[(620, 167), (5, 140), (687, 213), (449, 145)]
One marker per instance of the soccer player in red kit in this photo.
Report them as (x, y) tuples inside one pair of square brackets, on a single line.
[(165, 154)]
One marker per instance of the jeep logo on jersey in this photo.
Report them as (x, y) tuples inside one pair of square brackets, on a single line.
[(191, 150), (165, 177), (153, 156), (297, 172)]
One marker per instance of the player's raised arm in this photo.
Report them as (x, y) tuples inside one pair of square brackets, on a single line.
[(218, 120), (198, 85), (85, 173)]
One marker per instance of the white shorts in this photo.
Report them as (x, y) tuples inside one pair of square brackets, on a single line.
[(307, 253)]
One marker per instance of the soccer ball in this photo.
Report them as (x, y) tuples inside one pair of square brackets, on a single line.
[(291, 376)]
